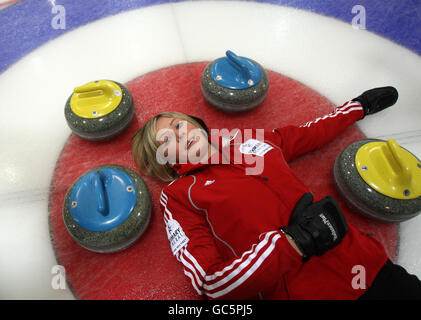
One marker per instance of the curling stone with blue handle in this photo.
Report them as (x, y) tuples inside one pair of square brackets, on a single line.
[(234, 84), (379, 179), (99, 110), (107, 208)]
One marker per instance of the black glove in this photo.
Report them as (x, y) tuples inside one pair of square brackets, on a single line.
[(316, 227)]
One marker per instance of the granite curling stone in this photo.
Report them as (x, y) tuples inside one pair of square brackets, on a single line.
[(379, 179), (99, 110), (107, 209), (234, 84)]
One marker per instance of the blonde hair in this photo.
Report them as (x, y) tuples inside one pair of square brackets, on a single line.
[(145, 145)]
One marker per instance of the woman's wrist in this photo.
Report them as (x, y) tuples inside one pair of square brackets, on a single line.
[(293, 244)]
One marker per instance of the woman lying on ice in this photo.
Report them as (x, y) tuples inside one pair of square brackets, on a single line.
[(244, 226)]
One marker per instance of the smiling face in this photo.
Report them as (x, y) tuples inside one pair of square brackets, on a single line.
[(181, 141)]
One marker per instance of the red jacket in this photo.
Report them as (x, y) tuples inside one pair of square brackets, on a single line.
[(223, 222)]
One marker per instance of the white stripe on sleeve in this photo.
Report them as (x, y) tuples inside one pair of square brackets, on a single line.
[(345, 109), (241, 268), (230, 277)]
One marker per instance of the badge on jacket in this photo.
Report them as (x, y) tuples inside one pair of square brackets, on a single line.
[(255, 147), (176, 236)]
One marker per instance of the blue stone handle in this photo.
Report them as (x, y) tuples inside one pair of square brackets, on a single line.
[(99, 189), (237, 63)]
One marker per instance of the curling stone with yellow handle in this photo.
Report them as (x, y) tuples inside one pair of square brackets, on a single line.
[(99, 110), (379, 179)]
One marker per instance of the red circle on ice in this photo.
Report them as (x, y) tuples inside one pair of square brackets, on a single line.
[(147, 269)]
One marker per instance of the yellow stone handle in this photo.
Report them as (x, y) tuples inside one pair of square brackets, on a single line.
[(95, 88), (389, 169), (95, 98), (399, 165)]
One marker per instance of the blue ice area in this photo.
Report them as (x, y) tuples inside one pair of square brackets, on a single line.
[(26, 25), (397, 20)]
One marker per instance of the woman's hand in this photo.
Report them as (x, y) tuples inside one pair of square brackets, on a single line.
[(316, 227)]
